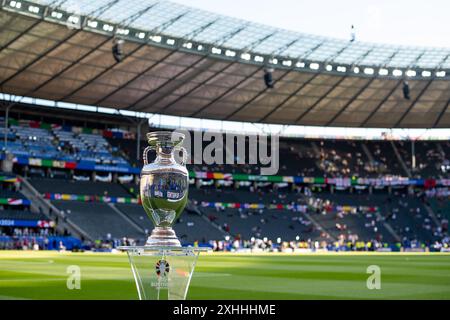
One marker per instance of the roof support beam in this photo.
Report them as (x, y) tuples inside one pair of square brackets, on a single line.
[(254, 98), (226, 92), (72, 64), (320, 99), (413, 104), (226, 38), (254, 44), (293, 94), (351, 101), (441, 114), (396, 87), (149, 69), (199, 85), (221, 71), (40, 56), (107, 69), (24, 32)]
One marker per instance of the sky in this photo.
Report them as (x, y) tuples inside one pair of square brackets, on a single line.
[(405, 22)]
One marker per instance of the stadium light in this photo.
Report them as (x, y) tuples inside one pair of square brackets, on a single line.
[(369, 71), (33, 9), (230, 53), (383, 72), (74, 19), (216, 50), (341, 69), (300, 64), (440, 74), (57, 15), (156, 38), (259, 59), (187, 45), (123, 31), (329, 67), (92, 24), (141, 35), (15, 4), (246, 56), (397, 72), (287, 63), (273, 61), (314, 66), (106, 27), (426, 74), (200, 47), (170, 42), (411, 73), (356, 70)]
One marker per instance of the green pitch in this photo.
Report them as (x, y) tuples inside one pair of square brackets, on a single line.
[(42, 275)]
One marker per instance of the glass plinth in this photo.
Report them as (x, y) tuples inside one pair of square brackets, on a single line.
[(162, 273)]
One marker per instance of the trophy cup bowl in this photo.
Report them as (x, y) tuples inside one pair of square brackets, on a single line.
[(164, 187)]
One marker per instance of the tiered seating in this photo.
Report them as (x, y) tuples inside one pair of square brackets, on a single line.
[(189, 228), (252, 222), (61, 145), (428, 158), (383, 154), (79, 187), (342, 158), (10, 135), (98, 220), (33, 142), (406, 214), (365, 225), (21, 215)]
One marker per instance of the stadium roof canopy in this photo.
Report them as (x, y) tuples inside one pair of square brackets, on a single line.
[(188, 62)]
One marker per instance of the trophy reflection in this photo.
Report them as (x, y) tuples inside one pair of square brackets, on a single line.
[(164, 187)]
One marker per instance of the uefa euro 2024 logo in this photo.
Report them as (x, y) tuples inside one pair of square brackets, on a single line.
[(162, 268)]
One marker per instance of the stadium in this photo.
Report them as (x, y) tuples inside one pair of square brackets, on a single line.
[(362, 142)]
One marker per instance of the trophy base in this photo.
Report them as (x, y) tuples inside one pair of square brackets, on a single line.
[(162, 273), (163, 237)]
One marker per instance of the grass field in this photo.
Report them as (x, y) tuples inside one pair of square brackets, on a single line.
[(42, 275)]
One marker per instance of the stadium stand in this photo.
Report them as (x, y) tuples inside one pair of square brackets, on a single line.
[(45, 185), (73, 136), (99, 220), (399, 216)]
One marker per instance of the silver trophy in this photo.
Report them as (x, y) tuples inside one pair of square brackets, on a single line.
[(164, 186), (163, 269)]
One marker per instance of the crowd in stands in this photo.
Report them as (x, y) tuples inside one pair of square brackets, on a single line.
[(266, 245), (408, 218), (57, 144)]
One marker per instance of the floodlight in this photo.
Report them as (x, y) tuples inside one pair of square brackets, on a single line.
[(117, 50), (406, 90), (268, 78)]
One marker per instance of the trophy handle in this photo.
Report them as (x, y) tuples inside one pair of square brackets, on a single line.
[(185, 155), (144, 155)]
